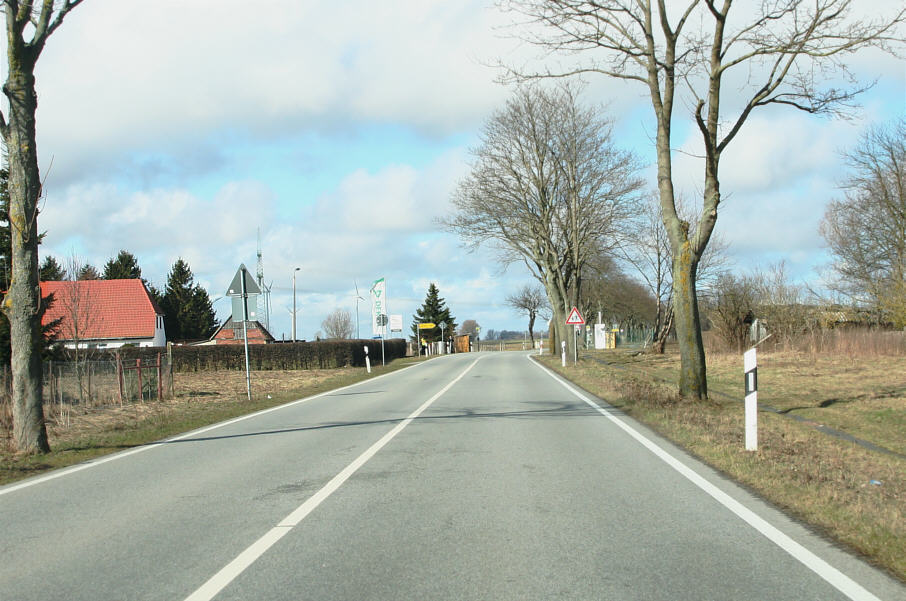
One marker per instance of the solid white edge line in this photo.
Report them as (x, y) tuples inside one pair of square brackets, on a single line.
[(232, 570), (96, 462), (830, 574)]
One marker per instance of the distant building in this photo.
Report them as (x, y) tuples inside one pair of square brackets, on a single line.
[(230, 332), (104, 314)]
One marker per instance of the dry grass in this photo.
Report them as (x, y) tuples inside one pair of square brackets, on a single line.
[(865, 398), (822, 480)]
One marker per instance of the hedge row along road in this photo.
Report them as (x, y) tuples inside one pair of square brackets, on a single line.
[(473, 476)]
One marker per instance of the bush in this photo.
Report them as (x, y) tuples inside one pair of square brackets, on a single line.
[(298, 355)]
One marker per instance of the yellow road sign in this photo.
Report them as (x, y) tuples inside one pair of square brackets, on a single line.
[(427, 326)]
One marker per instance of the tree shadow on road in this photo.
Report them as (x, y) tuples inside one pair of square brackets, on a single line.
[(555, 409)]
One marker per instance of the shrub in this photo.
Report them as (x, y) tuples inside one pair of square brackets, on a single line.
[(325, 354)]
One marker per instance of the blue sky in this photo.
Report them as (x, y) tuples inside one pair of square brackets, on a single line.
[(176, 129)]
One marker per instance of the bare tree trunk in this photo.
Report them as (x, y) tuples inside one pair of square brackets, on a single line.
[(23, 302), (692, 382), (660, 340)]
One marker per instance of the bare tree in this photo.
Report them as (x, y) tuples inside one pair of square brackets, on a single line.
[(77, 305), (616, 296), (338, 324), (469, 327), (782, 51), (530, 300), (866, 229), (732, 309), (548, 188), (781, 304), (27, 30), (648, 251)]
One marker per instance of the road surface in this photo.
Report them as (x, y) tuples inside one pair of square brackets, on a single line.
[(473, 476)]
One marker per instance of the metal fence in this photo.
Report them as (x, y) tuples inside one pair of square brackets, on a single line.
[(98, 383)]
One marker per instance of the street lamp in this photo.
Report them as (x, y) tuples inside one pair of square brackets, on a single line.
[(294, 302)]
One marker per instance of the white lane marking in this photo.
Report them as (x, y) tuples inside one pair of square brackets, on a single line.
[(233, 569), (96, 462), (832, 575)]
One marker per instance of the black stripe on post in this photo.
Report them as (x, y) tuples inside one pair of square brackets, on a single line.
[(751, 383)]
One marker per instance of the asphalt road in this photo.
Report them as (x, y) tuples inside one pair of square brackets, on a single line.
[(475, 476)]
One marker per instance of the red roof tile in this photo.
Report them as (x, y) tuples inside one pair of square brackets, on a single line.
[(105, 309)]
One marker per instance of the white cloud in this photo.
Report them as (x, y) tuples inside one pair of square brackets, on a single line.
[(96, 221), (206, 68)]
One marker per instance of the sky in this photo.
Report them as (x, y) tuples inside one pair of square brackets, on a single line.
[(339, 131)]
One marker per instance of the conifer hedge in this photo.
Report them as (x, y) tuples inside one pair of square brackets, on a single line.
[(324, 354)]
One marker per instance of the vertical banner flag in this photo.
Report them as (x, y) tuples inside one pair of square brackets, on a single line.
[(378, 307)]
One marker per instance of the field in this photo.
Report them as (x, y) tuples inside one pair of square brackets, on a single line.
[(852, 494)]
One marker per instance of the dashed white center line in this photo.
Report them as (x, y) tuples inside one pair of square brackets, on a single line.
[(242, 561)]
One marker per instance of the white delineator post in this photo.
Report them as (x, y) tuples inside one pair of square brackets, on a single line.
[(750, 367), (540, 347), (563, 352), (367, 360)]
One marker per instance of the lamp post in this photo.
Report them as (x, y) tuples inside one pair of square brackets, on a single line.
[(294, 302)]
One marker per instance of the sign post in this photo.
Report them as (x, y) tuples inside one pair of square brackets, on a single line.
[(379, 312), (245, 285), (575, 319), (750, 368)]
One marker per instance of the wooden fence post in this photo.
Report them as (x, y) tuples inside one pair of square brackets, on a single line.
[(141, 387), (160, 385), (170, 368), (119, 377)]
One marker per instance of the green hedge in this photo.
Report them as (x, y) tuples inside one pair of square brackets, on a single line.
[(298, 355)]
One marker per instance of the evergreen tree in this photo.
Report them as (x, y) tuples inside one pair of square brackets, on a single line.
[(433, 311), (155, 293), (203, 321), (123, 267), (188, 313), (87, 272), (51, 271)]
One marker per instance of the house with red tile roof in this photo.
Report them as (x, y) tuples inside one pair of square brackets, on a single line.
[(230, 332), (104, 314)]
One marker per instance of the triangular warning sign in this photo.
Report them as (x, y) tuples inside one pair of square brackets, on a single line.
[(575, 318), (235, 288)]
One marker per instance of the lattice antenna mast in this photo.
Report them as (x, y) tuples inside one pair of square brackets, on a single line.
[(260, 271), (265, 290)]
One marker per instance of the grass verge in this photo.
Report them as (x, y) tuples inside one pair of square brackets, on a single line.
[(201, 399), (823, 481)]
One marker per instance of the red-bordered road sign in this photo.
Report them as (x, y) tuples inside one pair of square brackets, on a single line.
[(575, 318)]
